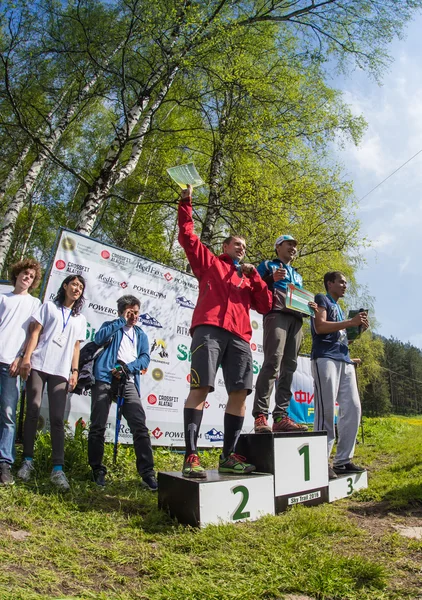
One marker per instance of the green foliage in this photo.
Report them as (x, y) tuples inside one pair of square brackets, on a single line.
[(115, 543)]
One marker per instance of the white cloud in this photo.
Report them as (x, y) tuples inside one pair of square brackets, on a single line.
[(403, 266)]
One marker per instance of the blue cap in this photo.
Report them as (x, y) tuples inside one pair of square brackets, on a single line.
[(284, 238)]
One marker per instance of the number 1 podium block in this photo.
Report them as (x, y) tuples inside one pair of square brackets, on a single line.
[(297, 460), (218, 499)]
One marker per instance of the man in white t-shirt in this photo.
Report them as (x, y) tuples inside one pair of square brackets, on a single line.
[(127, 344), (16, 309)]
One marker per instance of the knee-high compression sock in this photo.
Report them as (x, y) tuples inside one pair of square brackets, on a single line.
[(232, 429), (192, 419)]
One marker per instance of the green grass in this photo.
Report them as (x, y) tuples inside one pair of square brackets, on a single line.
[(116, 544)]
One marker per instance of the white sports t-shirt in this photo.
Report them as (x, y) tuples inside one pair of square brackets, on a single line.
[(127, 349), (15, 316), (50, 356)]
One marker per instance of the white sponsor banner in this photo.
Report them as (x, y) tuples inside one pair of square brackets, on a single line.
[(167, 298)]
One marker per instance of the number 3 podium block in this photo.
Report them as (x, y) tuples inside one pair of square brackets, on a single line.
[(217, 499), (298, 462), (344, 486)]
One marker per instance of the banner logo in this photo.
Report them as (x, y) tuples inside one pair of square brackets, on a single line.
[(157, 374), (111, 281), (214, 436), (149, 320), (68, 243), (105, 254), (183, 330), (185, 302), (168, 276), (157, 433), (60, 264), (149, 292), (152, 399), (160, 347)]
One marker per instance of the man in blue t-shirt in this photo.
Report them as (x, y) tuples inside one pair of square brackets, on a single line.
[(282, 339), (334, 374)]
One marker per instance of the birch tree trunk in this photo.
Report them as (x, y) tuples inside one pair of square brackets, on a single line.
[(17, 202), (112, 173), (13, 171)]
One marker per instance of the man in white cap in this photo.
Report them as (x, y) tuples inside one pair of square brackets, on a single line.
[(282, 339)]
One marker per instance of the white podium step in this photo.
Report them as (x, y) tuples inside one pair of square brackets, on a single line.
[(345, 485), (298, 462), (217, 499)]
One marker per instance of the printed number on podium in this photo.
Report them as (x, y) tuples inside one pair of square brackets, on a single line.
[(304, 451), (350, 489), (238, 513)]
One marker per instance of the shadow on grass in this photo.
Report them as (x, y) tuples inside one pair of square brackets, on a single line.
[(126, 498)]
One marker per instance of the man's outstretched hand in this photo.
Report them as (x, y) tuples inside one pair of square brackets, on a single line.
[(247, 269), (186, 195)]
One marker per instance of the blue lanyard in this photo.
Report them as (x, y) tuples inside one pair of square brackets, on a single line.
[(67, 320), (128, 336), (340, 313)]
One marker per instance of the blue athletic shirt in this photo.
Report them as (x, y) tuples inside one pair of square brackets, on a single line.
[(330, 345), (279, 288)]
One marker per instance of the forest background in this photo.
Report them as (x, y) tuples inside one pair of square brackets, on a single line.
[(99, 97)]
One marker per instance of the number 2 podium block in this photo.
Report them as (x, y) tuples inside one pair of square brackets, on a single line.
[(217, 499), (298, 462)]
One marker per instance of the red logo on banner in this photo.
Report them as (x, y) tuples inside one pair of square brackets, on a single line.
[(207, 404), (123, 285), (105, 254), (302, 397), (168, 276), (188, 377), (253, 346), (152, 399), (157, 433), (60, 264)]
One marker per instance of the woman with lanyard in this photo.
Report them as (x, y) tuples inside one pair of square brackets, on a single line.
[(51, 358)]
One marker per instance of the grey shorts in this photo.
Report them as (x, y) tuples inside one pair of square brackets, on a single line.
[(215, 346)]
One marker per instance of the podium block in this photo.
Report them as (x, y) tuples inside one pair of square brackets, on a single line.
[(345, 485), (298, 462), (217, 499)]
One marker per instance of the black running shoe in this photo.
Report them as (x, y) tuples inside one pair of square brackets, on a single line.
[(149, 482), (98, 476), (347, 468)]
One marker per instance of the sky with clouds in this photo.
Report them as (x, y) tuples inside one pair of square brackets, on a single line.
[(391, 216)]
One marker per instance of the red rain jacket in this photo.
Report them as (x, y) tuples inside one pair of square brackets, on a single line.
[(225, 296)]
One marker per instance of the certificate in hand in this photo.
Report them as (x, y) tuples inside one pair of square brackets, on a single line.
[(298, 299), (185, 175)]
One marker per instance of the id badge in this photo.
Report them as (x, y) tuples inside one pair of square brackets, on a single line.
[(343, 336), (60, 339)]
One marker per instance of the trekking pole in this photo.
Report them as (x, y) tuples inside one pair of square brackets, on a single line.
[(119, 409), (19, 432)]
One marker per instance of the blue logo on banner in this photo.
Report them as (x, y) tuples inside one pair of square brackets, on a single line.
[(214, 436), (185, 302), (147, 319)]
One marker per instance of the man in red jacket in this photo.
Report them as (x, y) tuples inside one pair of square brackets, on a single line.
[(221, 330)]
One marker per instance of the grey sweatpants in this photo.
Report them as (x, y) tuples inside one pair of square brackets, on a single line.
[(57, 395), (335, 381), (282, 340)]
